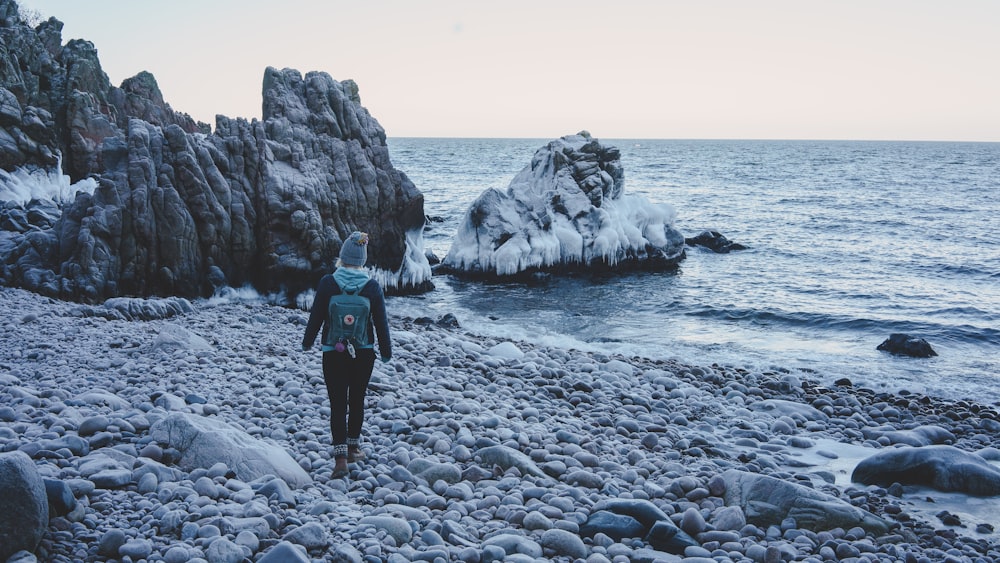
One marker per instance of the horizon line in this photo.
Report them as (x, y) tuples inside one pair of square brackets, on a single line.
[(714, 139)]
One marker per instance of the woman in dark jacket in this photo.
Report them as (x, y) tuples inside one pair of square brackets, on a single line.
[(347, 372)]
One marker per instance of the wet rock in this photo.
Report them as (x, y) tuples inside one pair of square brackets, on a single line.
[(906, 345)]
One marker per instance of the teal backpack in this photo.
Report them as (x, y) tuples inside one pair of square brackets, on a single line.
[(349, 315)]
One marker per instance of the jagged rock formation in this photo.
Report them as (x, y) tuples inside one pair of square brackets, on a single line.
[(565, 211), (176, 209)]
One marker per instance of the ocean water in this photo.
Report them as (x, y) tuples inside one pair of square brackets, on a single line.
[(849, 242)]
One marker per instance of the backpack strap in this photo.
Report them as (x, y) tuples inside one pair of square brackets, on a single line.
[(356, 292)]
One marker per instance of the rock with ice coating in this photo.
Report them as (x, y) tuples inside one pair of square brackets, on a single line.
[(506, 350), (137, 309), (157, 204), (175, 337), (506, 458), (203, 442), (565, 210)]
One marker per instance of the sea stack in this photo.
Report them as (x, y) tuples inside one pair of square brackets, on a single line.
[(566, 210)]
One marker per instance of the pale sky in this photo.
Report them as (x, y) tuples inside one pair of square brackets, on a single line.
[(661, 69)]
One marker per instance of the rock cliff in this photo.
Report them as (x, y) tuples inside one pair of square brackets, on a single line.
[(175, 208)]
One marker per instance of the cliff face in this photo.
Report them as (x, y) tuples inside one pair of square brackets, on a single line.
[(178, 209)]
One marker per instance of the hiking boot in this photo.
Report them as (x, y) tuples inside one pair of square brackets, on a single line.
[(355, 453), (340, 469)]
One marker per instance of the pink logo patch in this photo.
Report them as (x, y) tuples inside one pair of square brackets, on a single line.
[(348, 320)]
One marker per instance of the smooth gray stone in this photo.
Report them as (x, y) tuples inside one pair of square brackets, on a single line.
[(24, 505), (615, 526), (945, 468), (768, 501)]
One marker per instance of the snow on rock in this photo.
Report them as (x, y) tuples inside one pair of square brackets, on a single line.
[(566, 209), (507, 351), (203, 442)]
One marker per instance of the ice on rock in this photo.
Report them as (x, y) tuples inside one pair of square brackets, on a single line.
[(204, 442), (25, 184), (566, 209)]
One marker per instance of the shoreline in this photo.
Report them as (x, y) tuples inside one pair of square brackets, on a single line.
[(598, 427)]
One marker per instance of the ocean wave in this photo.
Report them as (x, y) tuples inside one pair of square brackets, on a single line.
[(956, 333)]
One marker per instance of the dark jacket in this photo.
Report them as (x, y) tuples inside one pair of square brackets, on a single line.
[(318, 315)]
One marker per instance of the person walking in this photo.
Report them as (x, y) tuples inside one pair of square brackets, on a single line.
[(348, 362)]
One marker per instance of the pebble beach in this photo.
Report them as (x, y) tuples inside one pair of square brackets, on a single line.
[(478, 448)]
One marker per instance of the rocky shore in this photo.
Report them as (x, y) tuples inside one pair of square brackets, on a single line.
[(197, 431)]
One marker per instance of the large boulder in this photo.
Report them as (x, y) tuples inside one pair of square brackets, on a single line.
[(945, 468), (24, 505), (204, 442), (767, 501), (566, 210), (167, 207)]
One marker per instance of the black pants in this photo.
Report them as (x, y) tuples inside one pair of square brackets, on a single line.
[(346, 384)]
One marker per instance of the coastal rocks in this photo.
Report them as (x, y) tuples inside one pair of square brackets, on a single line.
[(204, 442), (136, 309), (944, 468), (905, 345), (768, 501), (454, 448), (925, 435), (625, 518), (24, 507), (565, 210), (175, 209), (714, 241)]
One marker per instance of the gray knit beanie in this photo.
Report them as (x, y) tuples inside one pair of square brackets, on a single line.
[(354, 251)]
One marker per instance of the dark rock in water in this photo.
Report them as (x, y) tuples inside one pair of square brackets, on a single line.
[(906, 345), (944, 468), (949, 519), (179, 210), (714, 241), (566, 211), (449, 320)]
